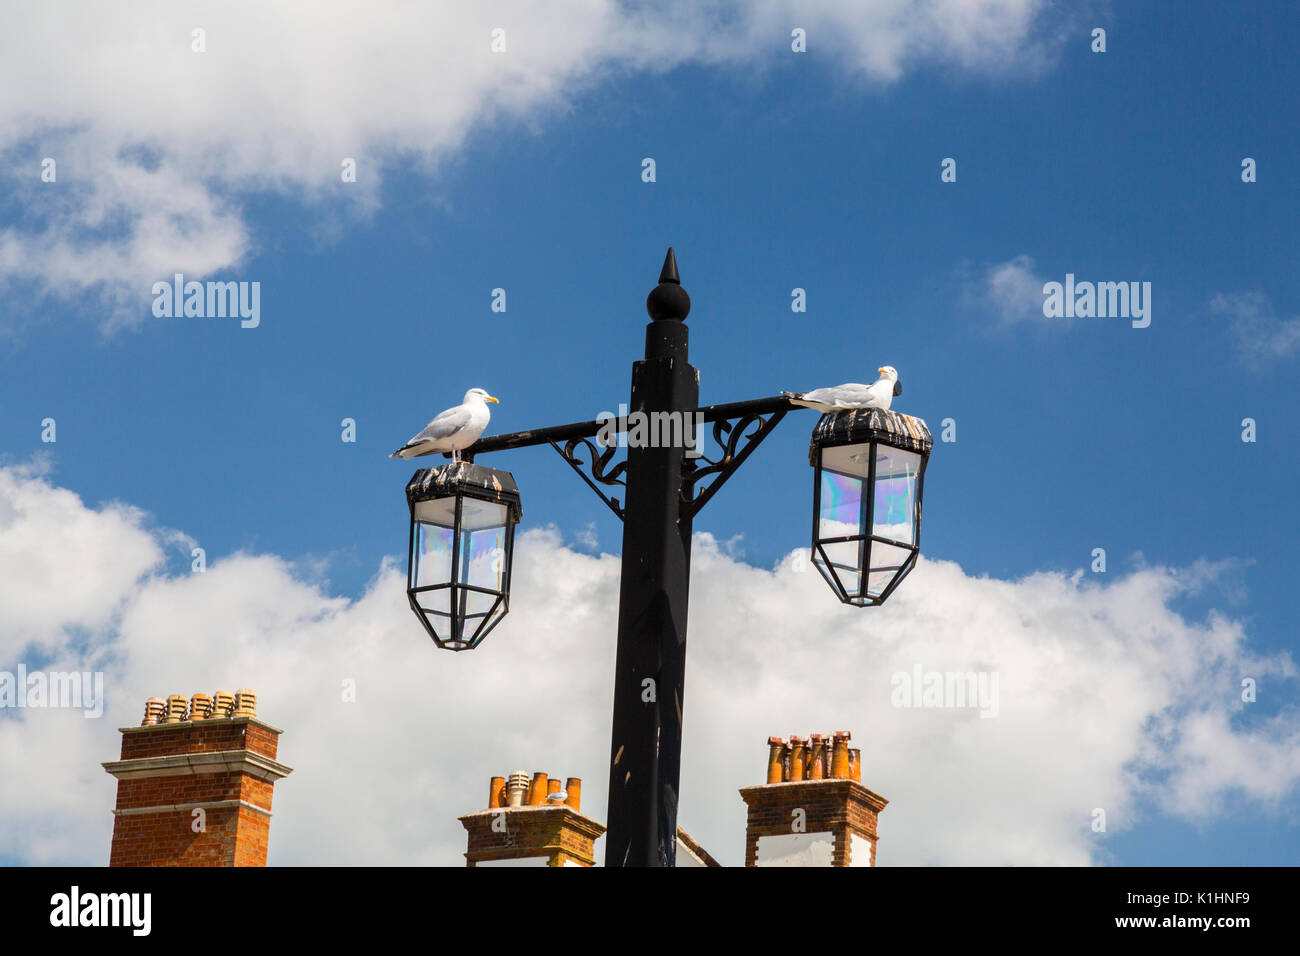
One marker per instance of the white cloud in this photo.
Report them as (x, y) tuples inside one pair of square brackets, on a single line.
[(1262, 336), (160, 148), (1107, 695), (1011, 289), (63, 565)]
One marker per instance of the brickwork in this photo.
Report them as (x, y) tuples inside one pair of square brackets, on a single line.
[(223, 768), (537, 825), (839, 804)]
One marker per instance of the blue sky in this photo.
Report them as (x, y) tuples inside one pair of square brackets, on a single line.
[(807, 172)]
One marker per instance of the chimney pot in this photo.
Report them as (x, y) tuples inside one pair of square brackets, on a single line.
[(177, 704), (223, 702), (245, 703), (573, 789), (516, 786), (495, 790), (855, 765), (200, 707), (796, 758), (153, 711), (840, 756), (537, 791), (817, 762)]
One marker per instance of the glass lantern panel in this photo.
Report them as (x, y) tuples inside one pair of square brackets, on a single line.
[(848, 459), (888, 557), (844, 557), (895, 498), (478, 515), (436, 604), (431, 560), (438, 625), (437, 511), (841, 505), (472, 605), (483, 558), (877, 581), (490, 621)]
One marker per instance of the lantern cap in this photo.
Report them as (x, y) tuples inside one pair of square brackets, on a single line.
[(466, 478), (856, 426)]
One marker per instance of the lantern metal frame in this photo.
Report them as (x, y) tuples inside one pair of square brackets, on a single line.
[(872, 429), (462, 480)]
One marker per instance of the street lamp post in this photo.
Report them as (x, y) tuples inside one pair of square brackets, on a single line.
[(663, 489), (650, 666)]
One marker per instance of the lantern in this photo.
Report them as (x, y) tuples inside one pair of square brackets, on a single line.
[(463, 519), (869, 473)]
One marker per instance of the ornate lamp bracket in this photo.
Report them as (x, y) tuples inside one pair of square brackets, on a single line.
[(736, 437)]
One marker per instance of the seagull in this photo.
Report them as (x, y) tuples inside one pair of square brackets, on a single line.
[(453, 430), (842, 397)]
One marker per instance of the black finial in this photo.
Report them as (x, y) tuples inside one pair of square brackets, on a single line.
[(668, 301), (669, 271)]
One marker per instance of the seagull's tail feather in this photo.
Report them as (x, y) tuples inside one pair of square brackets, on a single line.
[(797, 398)]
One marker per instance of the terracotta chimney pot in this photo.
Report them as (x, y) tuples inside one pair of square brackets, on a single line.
[(840, 755), (796, 758), (817, 764), (537, 790), (775, 753), (177, 705)]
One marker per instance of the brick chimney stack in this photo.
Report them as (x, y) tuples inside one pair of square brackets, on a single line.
[(531, 822), (813, 810), (194, 783)]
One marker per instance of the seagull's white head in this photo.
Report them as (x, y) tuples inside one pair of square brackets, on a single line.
[(889, 372), (479, 395)]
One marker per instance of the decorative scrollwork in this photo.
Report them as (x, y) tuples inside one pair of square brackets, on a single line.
[(729, 435), (599, 462)]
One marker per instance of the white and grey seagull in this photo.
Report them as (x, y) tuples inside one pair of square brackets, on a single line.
[(878, 394), (453, 430)]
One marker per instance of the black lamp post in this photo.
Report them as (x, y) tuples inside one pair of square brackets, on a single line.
[(663, 490)]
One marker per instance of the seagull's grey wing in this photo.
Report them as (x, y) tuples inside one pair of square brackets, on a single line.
[(444, 426), (824, 395), (850, 393), (898, 389)]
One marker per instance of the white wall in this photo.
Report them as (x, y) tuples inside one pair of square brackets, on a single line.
[(796, 849), (859, 851)]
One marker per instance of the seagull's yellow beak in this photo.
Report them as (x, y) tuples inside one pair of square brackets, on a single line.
[(881, 370), (494, 401)]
